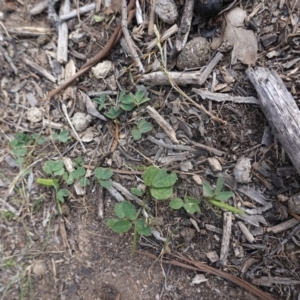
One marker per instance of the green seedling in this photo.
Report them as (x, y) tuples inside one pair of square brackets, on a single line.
[(103, 175), (55, 169), (63, 136), (160, 182), (20, 146), (217, 197), (191, 205), (128, 217), (142, 127), (126, 102)]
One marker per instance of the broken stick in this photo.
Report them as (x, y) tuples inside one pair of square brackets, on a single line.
[(280, 110)]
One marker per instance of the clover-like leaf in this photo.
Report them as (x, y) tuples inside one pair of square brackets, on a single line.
[(129, 210), (144, 126), (118, 209), (79, 172), (113, 112), (164, 179), (191, 208), (105, 183), (136, 134), (121, 226), (61, 194), (149, 175), (207, 190), (219, 185), (142, 227), (176, 203), (84, 181), (103, 173), (162, 193)]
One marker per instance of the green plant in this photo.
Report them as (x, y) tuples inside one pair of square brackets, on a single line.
[(103, 175), (137, 192), (55, 169), (63, 136), (126, 102), (142, 127), (20, 146), (128, 216), (160, 182), (191, 205), (217, 197)]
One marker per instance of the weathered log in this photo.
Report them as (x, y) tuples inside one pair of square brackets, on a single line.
[(280, 110)]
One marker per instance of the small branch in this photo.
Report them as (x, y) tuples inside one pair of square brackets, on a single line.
[(227, 222), (129, 41), (9, 60), (64, 109), (222, 97), (151, 17), (39, 69), (169, 146), (73, 13), (162, 123), (62, 42), (185, 26)]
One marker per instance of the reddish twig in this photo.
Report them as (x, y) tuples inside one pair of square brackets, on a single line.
[(100, 55)]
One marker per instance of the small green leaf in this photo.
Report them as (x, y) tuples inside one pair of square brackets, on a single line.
[(226, 206), (161, 194), (121, 226), (127, 99), (103, 173), (99, 19), (61, 194), (149, 175), (46, 181), (100, 101), (84, 181), (118, 209), (191, 200), (79, 162), (70, 180), (219, 185), (78, 172), (207, 190), (113, 112), (144, 126), (191, 208), (136, 134), (111, 222), (127, 107), (129, 210), (176, 203), (63, 136), (142, 227), (105, 183), (59, 172), (164, 179), (223, 196), (137, 192)]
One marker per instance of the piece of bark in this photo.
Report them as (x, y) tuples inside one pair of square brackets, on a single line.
[(38, 8), (182, 78), (27, 31), (73, 13), (39, 69), (283, 226), (246, 232), (280, 110), (162, 123), (184, 28), (227, 222), (62, 41), (222, 97)]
